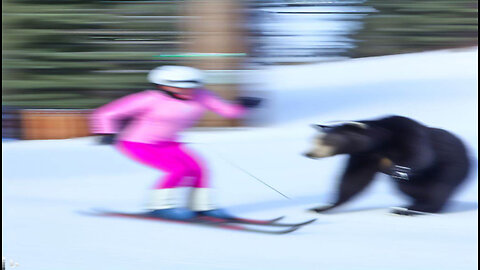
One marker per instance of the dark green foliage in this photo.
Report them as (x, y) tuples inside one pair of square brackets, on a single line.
[(417, 25), (82, 53)]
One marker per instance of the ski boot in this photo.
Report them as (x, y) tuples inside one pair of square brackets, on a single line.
[(164, 204), (173, 213), (200, 203), (216, 213)]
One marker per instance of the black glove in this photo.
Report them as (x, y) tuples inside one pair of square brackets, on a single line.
[(107, 139), (401, 172), (249, 102)]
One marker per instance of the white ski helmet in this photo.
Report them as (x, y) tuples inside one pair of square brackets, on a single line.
[(176, 76)]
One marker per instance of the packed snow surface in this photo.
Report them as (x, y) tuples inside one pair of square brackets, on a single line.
[(258, 172)]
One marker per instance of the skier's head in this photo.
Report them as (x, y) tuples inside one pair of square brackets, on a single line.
[(179, 81), (176, 76)]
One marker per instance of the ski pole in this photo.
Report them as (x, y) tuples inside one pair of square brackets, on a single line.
[(250, 174)]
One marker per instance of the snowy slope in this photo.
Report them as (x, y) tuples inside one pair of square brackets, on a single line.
[(45, 183), (332, 87)]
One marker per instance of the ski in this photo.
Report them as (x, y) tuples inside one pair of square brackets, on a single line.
[(272, 222), (216, 223)]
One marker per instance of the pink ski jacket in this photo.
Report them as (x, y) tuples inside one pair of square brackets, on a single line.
[(156, 116)]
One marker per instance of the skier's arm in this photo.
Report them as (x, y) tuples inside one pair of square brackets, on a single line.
[(220, 106), (105, 120)]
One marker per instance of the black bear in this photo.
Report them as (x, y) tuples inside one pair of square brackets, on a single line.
[(426, 163)]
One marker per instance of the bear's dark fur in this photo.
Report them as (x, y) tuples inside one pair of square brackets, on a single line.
[(428, 164)]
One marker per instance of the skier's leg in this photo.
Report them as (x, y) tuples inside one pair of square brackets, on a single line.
[(164, 201), (194, 165), (200, 197), (160, 156), (201, 194)]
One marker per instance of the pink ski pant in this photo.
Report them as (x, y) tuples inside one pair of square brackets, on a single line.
[(171, 158)]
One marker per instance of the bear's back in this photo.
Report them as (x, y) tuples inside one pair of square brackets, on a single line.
[(447, 146), (404, 131)]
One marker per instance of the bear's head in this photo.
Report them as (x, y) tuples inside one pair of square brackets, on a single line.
[(346, 137)]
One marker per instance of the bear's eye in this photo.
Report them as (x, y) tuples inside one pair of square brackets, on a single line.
[(326, 129)]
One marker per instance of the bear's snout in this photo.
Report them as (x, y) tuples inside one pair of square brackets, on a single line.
[(309, 155), (320, 151)]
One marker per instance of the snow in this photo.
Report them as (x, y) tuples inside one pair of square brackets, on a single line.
[(46, 183)]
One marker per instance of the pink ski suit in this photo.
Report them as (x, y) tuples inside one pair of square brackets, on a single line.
[(151, 137)]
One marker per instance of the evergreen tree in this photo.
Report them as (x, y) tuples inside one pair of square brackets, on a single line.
[(417, 25), (62, 53)]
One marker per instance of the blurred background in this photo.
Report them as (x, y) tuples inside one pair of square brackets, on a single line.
[(311, 61), (62, 58)]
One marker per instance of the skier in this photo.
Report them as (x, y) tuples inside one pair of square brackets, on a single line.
[(151, 136)]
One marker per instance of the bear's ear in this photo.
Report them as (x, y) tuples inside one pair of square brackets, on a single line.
[(332, 124), (319, 127)]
